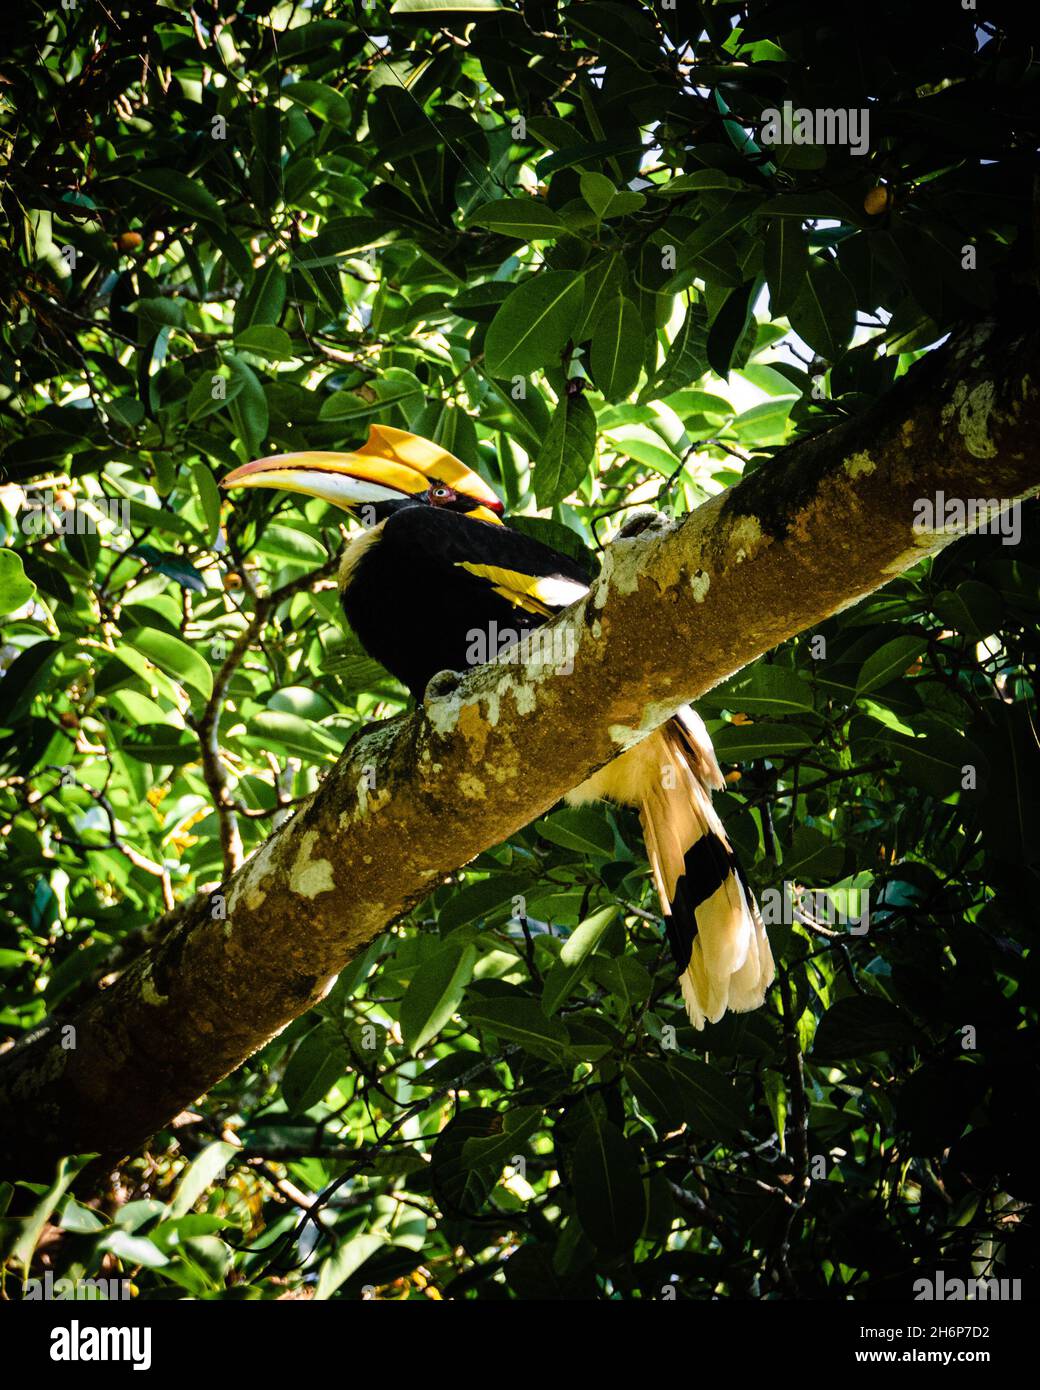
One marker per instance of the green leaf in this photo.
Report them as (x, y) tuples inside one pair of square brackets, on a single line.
[(209, 499), (527, 219), (786, 263), (598, 191), (435, 993), (889, 662), (761, 689), (126, 410), (201, 398), (719, 229), (936, 761), (686, 360), (493, 1151), (823, 312), (604, 280), (617, 349), (288, 733), (175, 657), (584, 939), (133, 1250), (479, 302), (314, 37), (566, 451), (701, 181), (812, 857), (143, 517), (27, 1231), (743, 743), (160, 745), (342, 235), (301, 700), (78, 1218), (1010, 813), (15, 589), (321, 100), (132, 660), (623, 978), (203, 1171), (460, 1185), (284, 542), (180, 192), (972, 608), (823, 203), (266, 341), (397, 386), (533, 324), (265, 300), (476, 900), (358, 674), (608, 1188), (248, 406), (857, 1026), (645, 446), (711, 1104), (624, 203), (729, 327), (158, 312), (317, 1063), (421, 6), (26, 677), (522, 414), (559, 985), (555, 534), (521, 1021), (584, 828), (656, 1089), (345, 1261), (765, 423), (456, 432)]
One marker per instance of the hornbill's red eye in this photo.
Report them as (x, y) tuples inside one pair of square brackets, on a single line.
[(441, 494)]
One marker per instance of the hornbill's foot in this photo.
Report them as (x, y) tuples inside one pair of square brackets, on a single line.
[(441, 684), (645, 520)]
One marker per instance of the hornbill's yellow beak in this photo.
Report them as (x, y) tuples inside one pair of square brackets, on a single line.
[(390, 465)]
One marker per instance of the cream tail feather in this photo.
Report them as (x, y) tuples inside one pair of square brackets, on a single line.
[(714, 926)]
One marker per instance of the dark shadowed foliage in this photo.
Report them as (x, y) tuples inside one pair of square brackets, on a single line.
[(251, 227)]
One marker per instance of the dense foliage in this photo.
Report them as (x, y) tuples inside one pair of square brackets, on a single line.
[(554, 238)]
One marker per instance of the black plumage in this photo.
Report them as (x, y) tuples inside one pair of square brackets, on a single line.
[(414, 607)]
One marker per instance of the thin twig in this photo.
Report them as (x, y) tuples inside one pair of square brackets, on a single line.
[(207, 726)]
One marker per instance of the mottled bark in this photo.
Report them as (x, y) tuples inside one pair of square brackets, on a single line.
[(676, 609)]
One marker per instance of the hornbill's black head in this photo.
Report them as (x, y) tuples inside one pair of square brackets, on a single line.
[(392, 469)]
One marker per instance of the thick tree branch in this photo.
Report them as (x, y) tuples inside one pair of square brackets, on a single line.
[(675, 611)]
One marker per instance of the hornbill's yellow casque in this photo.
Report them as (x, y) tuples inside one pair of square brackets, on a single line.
[(435, 533)]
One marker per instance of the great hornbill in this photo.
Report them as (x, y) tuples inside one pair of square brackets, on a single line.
[(434, 528)]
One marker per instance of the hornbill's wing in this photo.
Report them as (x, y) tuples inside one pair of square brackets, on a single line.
[(529, 575), (535, 593)]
